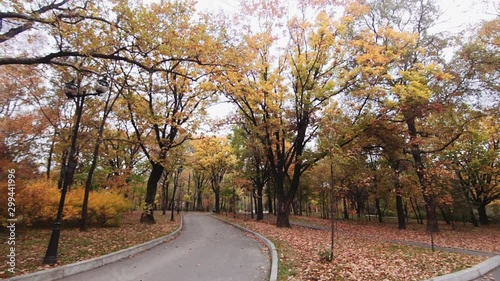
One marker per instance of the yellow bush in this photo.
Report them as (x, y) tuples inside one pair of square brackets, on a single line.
[(106, 207), (73, 205), (39, 200)]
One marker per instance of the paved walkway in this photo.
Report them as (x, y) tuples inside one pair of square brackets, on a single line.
[(206, 250), (493, 275)]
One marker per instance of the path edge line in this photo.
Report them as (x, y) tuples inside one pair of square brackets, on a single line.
[(86, 265), (273, 276)]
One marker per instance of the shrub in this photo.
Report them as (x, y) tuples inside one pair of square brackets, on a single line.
[(39, 200), (493, 210), (325, 255), (106, 207)]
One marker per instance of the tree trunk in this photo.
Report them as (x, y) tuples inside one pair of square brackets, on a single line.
[(199, 201), (274, 203), (195, 199), (300, 204), (172, 204), (251, 204), (179, 202), (269, 199), (283, 212), (188, 192), (430, 209), (64, 164), (88, 182), (90, 175), (323, 205), (420, 217), (107, 109), (51, 153), (379, 210), (294, 208), (346, 212), (260, 205), (152, 186), (217, 199), (473, 218), (164, 197), (401, 212), (399, 198), (416, 210), (416, 152), (406, 211), (360, 206), (233, 202), (444, 215), (368, 210), (483, 217)]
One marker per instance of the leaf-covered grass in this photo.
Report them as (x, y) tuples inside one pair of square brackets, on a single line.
[(75, 245), (484, 238), (287, 267), (356, 257)]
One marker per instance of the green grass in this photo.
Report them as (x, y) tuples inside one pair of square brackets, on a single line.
[(285, 265)]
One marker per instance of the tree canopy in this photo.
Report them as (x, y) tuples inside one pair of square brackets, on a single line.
[(360, 96)]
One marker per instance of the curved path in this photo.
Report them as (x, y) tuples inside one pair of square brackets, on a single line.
[(207, 249)]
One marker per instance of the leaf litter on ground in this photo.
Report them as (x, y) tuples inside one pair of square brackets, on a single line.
[(75, 245), (362, 252)]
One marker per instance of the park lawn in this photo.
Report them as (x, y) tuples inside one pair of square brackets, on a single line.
[(356, 257), (75, 245), (464, 236)]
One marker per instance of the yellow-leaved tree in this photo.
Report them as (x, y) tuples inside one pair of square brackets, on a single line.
[(292, 68), (215, 157)]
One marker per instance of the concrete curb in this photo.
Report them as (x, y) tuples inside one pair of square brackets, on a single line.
[(273, 276), (472, 272), (86, 265)]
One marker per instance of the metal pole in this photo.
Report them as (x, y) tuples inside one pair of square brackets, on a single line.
[(51, 254)]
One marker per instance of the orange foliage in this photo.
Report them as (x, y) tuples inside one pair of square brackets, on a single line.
[(38, 203)]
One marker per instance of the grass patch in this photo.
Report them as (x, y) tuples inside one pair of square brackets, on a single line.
[(286, 258)]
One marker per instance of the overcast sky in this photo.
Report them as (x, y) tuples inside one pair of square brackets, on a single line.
[(457, 14)]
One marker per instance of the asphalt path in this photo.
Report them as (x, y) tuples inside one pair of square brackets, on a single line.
[(493, 275), (206, 250)]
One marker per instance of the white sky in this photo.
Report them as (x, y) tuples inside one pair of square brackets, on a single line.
[(456, 13)]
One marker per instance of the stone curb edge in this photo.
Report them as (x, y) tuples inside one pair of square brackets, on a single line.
[(470, 273), (86, 265), (273, 276)]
